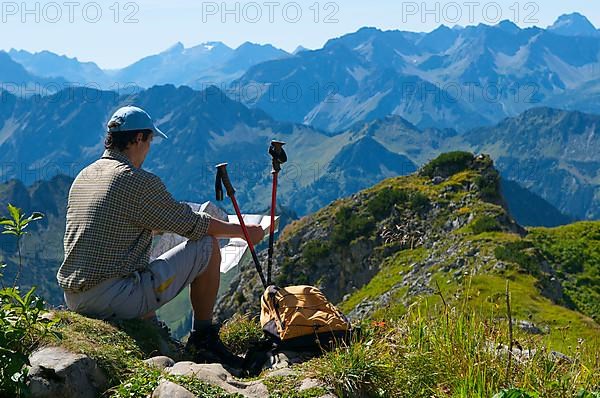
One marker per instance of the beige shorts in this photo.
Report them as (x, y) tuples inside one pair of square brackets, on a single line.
[(145, 291)]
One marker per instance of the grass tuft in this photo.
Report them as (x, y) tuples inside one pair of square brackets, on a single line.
[(240, 333)]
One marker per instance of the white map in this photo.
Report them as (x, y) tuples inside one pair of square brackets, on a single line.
[(233, 251)]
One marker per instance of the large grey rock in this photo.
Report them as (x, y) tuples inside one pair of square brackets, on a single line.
[(56, 372), (216, 375), (160, 362), (167, 389)]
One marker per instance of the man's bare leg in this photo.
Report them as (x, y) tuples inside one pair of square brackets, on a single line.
[(204, 289)]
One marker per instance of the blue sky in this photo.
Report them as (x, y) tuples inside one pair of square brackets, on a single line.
[(115, 34)]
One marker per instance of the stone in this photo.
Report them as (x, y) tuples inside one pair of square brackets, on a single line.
[(160, 362), (310, 383), (529, 327), (560, 357), (57, 372), (437, 180), (167, 389), (283, 372), (216, 375)]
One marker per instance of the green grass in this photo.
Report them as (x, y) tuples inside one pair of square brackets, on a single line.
[(575, 251), (240, 333), (115, 349), (425, 354), (390, 275), (287, 387)]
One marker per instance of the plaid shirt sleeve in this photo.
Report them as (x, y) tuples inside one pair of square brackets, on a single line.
[(158, 211)]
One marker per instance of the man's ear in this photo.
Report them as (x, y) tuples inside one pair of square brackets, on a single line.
[(139, 137)]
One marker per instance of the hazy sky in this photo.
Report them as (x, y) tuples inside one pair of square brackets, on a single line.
[(115, 34)]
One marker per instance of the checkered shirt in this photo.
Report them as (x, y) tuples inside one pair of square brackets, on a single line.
[(112, 210)]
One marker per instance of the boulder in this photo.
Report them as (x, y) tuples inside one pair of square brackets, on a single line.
[(167, 389), (216, 375), (57, 372)]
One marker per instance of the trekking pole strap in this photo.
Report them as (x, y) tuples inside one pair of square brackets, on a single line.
[(223, 177)]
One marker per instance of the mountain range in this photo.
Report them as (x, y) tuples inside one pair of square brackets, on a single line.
[(550, 152), (458, 78), (199, 66)]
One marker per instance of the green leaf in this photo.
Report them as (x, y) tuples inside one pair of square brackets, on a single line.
[(6, 221), (10, 232), (15, 212), (36, 215)]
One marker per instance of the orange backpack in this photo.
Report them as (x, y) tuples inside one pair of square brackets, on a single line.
[(301, 317)]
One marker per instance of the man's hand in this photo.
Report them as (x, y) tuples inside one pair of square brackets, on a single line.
[(221, 229), (256, 233)]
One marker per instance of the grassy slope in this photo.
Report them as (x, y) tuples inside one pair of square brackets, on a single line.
[(416, 345)]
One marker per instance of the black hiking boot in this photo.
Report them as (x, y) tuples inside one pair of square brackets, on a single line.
[(207, 347)]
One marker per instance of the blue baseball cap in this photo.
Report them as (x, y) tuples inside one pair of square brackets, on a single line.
[(132, 118)]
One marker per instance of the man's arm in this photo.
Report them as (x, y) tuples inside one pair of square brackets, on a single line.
[(222, 229), (158, 211)]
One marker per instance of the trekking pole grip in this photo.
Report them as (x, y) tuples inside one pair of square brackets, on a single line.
[(278, 155), (224, 177)]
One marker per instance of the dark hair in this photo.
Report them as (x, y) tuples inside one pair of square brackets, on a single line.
[(121, 140)]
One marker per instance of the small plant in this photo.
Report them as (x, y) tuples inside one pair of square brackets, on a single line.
[(21, 329), (16, 225), (513, 393), (363, 368), (21, 323), (240, 333)]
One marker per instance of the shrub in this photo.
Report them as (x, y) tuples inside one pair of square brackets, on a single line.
[(485, 224), (315, 250), (448, 164), (419, 202), (514, 252), (382, 204), (489, 185), (349, 225)]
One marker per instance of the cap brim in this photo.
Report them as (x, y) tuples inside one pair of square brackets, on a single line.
[(158, 132)]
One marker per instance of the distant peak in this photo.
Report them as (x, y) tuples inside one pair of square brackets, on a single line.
[(300, 49), (177, 47), (574, 24), (508, 26), (441, 28)]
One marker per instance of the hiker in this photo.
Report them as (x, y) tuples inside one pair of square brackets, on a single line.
[(114, 208)]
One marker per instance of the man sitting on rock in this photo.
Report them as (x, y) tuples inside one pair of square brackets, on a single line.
[(113, 209)]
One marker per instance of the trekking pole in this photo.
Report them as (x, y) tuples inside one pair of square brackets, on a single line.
[(223, 179), (279, 157)]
